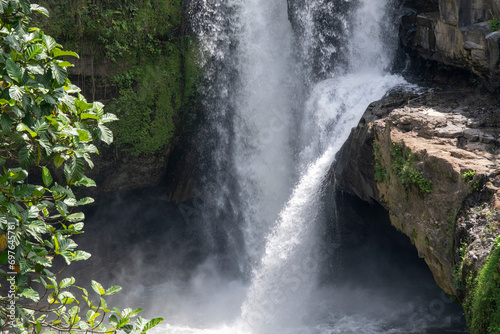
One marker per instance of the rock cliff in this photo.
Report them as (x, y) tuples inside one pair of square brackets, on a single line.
[(456, 33), (435, 168)]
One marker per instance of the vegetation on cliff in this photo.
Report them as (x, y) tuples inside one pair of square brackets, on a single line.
[(482, 304), (136, 56), (48, 132)]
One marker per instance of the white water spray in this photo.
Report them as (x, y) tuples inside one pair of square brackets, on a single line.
[(277, 194)]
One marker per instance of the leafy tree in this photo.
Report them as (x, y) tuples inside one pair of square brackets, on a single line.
[(47, 135)]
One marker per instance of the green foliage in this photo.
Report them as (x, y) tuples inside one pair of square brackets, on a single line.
[(47, 132), (462, 253), (381, 173), (494, 24), (468, 175), (483, 304), (149, 61), (402, 167), (148, 113)]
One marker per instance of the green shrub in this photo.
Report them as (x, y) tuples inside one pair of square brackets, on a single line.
[(494, 24), (48, 133), (468, 175), (483, 304), (402, 167)]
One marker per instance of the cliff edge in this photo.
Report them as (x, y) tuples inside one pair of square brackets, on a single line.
[(432, 160)]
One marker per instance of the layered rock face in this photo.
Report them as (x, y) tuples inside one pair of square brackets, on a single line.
[(456, 33), (432, 161)]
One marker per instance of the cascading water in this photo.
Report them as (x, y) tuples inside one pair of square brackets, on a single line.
[(284, 85)]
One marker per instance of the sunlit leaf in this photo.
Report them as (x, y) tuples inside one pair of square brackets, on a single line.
[(14, 70), (46, 177), (58, 53), (97, 287), (31, 294)]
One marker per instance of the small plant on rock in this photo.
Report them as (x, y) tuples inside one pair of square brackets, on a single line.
[(402, 166), (468, 175), (494, 24)]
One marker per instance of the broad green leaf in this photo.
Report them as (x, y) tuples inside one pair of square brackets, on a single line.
[(65, 64), (112, 290), (14, 70), (97, 287), (58, 160), (91, 315), (104, 305), (31, 294), (128, 329), (135, 312), (77, 168), (26, 6), (23, 127), (36, 69), (84, 135), (45, 262), (6, 123), (70, 201), (49, 42), (105, 134), (86, 156), (58, 53), (46, 145), (76, 227), (18, 174), (16, 93), (85, 181), (152, 323), (27, 156), (47, 178), (99, 108), (85, 201), (76, 217), (122, 322), (66, 282), (33, 51), (81, 256), (67, 298), (40, 126), (140, 323), (58, 73), (9, 102), (113, 320), (60, 190), (88, 115), (109, 117), (39, 9), (24, 190)]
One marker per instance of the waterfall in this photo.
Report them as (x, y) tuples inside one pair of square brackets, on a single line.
[(286, 275), (284, 84)]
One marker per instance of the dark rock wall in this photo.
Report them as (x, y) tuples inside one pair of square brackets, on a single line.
[(455, 33)]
